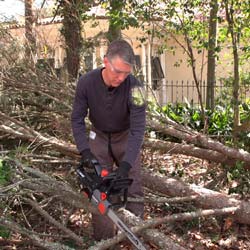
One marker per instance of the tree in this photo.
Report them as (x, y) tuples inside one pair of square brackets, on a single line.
[(30, 50), (237, 17), (121, 16), (211, 58), (71, 30), (74, 13), (184, 20), (188, 20), (114, 31)]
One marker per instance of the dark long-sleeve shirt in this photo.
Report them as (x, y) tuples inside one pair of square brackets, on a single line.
[(109, 111)]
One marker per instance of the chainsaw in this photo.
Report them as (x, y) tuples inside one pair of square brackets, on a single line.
[(107, 192)]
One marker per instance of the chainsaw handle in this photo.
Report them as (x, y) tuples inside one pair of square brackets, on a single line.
[(106, 182)]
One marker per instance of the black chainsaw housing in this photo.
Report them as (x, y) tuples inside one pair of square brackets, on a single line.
[(116, 189)]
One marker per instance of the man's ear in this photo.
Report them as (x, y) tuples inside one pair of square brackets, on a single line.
[(105, 61)]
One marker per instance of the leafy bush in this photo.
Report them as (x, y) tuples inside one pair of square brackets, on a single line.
[(184, 114), (220, 124), (220, 120), (239, 179)]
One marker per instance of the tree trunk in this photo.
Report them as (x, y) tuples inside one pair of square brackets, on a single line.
[(185, 134), (235, 37), (72, 32), (114, 31), (30, 46), (212, 43), (206, 198), (166, 147)]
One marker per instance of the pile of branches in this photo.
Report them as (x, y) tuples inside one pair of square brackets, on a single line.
[(35, 102), (32, 190), (35, 111)]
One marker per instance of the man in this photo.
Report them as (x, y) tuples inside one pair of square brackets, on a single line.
[(114, 101)]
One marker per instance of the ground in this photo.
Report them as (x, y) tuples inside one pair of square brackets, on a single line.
[(201, 234)]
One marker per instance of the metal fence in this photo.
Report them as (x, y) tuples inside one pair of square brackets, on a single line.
[(186, 91)]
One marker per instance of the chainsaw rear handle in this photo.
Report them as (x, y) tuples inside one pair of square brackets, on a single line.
[(99, 170)]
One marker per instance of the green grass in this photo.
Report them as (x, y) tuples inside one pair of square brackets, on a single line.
[(5, 173)]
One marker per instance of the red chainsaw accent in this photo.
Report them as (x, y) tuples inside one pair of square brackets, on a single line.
[(102, 208), (103, 196), (104, 173)]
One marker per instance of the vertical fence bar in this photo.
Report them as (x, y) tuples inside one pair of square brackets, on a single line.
[(176, 92), (172, 92), (192, 92), (182, 94), (204, 92)]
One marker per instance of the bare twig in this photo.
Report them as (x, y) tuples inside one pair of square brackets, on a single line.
[(32, 236), (49, 218)]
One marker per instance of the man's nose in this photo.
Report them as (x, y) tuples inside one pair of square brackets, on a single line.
[(122, 77)]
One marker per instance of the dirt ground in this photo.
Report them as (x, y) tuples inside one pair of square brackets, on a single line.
[(220, 233)]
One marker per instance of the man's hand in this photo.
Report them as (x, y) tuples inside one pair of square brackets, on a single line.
[(91, 165), (123, 170), (88, 158)]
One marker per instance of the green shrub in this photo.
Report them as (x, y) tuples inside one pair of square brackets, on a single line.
[(239, 179), (220, 120)]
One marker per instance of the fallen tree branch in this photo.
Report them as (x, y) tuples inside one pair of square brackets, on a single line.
[(70, 149), (36, 181), (154, 235), (50, 219), (13, 226), (156, 200), (20, 130), (61, 190), (206, 198), (105, 244), (188, 216), (166, 147), (160, 124), (161, 240)]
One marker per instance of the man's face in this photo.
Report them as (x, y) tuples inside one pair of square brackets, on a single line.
[(116, 70)]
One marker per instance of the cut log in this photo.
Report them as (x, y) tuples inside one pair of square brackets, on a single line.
[(166, 147), (206, 198), (161, 124)]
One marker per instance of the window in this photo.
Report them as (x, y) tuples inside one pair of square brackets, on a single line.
[(157, 72)]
